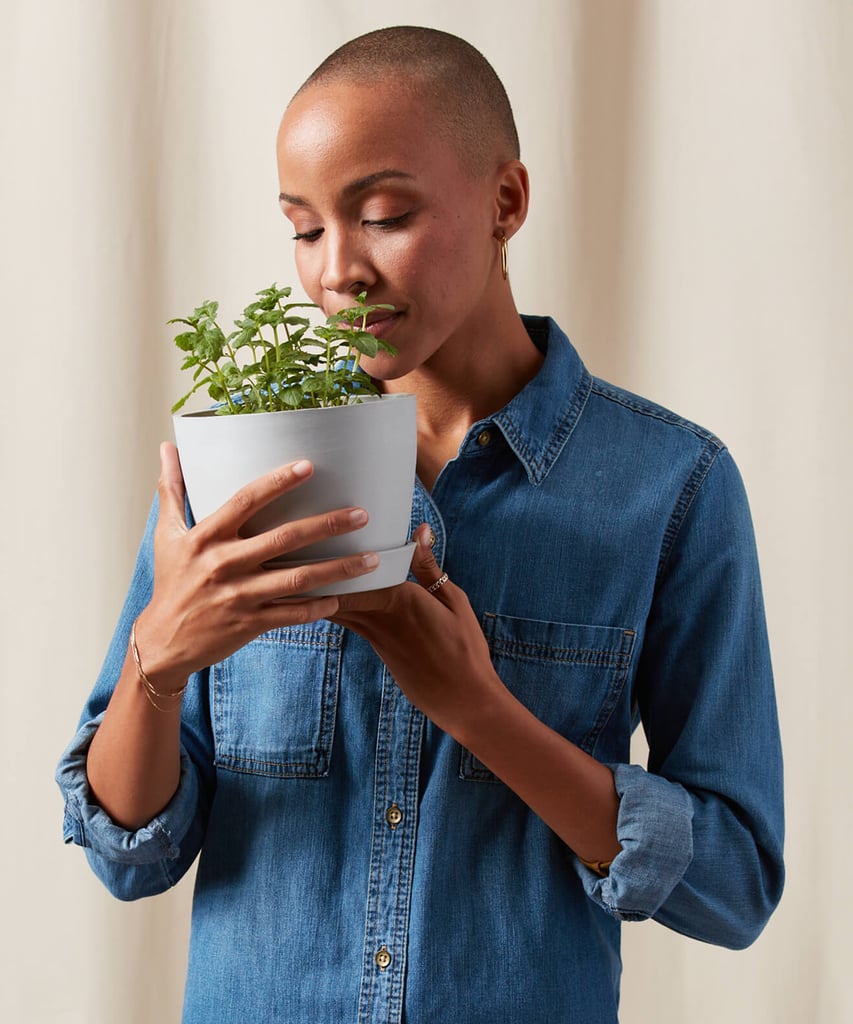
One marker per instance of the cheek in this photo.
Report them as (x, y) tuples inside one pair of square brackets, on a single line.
[(430, 260)]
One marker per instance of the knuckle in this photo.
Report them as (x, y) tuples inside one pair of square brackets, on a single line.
[(333, 524), (300, 614), (242, 500), (283, 537), (427, 560), (352, 567), (210, 571), (196, 540), (214, 564), (300, 579)]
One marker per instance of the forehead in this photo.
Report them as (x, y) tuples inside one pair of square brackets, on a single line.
[(361, 126)]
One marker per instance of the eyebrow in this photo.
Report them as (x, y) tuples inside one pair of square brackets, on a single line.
[(354, 187)]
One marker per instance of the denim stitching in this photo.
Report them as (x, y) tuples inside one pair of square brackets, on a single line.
[(330, 642), (650, 409), (368, 971), (682, 506), (471, 769), (403, 881), (538, 467), (591, 656), (614, 692)]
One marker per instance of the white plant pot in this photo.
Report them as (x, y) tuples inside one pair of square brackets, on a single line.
[(364, 455)]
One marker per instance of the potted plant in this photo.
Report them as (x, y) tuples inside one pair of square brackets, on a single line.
[(287, 390)]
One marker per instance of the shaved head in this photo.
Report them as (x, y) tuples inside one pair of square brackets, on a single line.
[(465, 97)]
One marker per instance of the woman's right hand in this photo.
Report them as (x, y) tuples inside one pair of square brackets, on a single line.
[(211, 592)]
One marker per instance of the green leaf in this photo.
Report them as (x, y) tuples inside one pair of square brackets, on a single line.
[(186, 340), (208, 309), (292, 397), (365, 343), (244, 338)]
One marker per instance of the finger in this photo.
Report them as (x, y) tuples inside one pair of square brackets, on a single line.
[(290, 537), (251, 498), (296, 613), (282, 585), (386, 599)]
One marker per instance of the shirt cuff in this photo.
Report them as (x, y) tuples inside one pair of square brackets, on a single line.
[(655, 829), (89, 826)]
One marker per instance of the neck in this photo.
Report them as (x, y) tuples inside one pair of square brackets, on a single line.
[(468, 379)]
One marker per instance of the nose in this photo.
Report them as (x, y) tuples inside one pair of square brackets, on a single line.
[(346, 269)]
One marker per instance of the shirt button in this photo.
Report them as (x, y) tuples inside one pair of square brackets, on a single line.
[(431, 539), (484, 438), (393, 816), (382, 958)]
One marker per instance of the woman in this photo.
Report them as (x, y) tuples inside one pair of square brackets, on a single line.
[(416, 803)]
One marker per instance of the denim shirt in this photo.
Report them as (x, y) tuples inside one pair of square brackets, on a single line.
[(358, 865)]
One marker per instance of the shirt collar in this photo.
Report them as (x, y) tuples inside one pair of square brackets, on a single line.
[(539, 421)]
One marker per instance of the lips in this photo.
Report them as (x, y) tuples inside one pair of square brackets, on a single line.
[(379, 324)]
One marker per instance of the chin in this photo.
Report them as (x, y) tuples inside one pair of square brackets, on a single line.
[(385, 367)]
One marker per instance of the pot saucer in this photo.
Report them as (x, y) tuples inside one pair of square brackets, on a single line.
[(393, 568)]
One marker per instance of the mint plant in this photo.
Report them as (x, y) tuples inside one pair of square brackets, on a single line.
[(276, 359)]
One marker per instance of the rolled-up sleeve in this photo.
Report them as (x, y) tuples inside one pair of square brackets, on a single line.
[(702, 828), (655, 830), (152, 858), (146, 861)]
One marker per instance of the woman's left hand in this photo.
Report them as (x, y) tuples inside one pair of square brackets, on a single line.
[(430, 641), (434, 648)]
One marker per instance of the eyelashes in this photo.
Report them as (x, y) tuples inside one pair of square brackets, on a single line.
[(385, 224), (388, 222)]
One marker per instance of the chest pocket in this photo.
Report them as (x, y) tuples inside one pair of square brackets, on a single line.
[(570, 676), (274, 703)]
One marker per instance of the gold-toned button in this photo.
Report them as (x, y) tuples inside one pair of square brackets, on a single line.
[(382, 958), (484, 438), (393, 816), (431, 539)]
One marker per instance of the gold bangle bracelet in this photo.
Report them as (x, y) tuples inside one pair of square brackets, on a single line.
[(148, 687)]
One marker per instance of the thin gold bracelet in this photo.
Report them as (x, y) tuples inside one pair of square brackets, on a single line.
[(600, 867), (148, 687)]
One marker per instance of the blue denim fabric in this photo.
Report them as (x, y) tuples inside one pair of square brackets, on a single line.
[(606, 545)]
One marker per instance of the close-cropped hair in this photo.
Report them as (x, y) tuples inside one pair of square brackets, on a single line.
[(467, 99)]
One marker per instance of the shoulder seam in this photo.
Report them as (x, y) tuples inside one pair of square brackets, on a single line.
[(651, 409)]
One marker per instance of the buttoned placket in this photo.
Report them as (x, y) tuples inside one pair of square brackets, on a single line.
[(395, 813), (395, 818)]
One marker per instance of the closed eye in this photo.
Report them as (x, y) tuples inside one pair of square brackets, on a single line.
[(388, 222), (308, 236)]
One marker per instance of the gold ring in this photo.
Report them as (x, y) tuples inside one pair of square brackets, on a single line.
[(439, 583)]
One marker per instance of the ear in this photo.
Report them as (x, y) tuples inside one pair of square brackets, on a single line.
[(512, 198)]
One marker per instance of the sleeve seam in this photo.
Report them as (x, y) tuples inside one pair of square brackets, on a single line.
[(691, 488)]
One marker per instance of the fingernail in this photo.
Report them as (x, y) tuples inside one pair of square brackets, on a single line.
[(301, 468), (370, 561), (357, 517)]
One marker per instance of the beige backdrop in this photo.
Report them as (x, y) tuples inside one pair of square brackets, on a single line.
[(691, 229)]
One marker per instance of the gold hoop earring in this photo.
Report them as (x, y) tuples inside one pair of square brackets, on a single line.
[(504, 259)]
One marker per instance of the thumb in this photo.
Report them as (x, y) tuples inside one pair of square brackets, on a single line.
[(424, 566), (171, 483)]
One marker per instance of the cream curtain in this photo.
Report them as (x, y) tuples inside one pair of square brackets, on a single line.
[(691, 229)]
